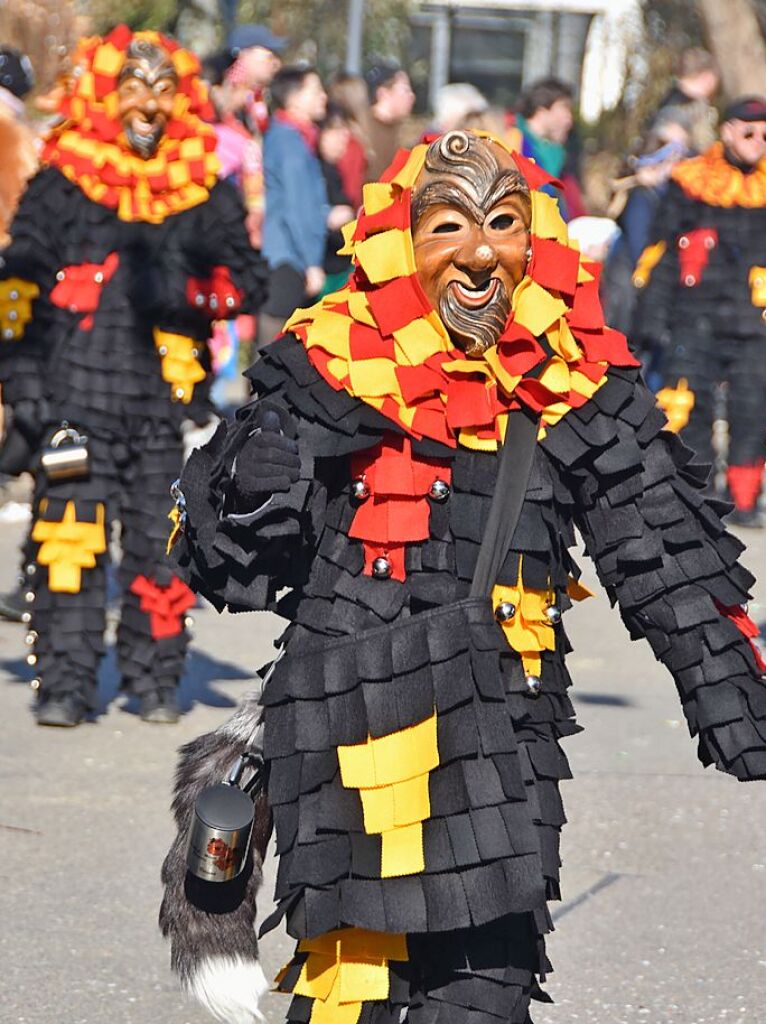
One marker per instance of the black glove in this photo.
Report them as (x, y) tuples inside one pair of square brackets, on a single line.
[(267, 463)]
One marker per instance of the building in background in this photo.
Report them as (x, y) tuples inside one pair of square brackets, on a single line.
[(502, 45)]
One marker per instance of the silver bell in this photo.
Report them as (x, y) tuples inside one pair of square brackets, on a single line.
[(360, 490), (381, 568), (439, 491), (505, 611), (534, 686), (554, 614)]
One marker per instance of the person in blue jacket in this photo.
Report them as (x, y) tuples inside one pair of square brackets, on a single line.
[(295, 220)]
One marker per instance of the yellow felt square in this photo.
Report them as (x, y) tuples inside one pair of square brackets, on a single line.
[(363, 981), (386, 256), (333, 330), (417, 341), (584, 385), (408, 175), (402, 852), (317, 977), (546, 218), (378, 807), (359, 310), (375, 377), (108, 60), (411, 801), (556, 376), (578, 591), (357, 765), (535, 308), (405, 754)]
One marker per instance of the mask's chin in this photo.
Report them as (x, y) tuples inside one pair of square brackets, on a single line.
[(144, 143), (474, 329)]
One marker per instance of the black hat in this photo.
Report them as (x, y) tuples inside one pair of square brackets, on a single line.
[(244, 37), (16, 74), (746, 108), (380, 74)]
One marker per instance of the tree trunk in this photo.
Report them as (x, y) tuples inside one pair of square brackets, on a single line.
[(734, 36)]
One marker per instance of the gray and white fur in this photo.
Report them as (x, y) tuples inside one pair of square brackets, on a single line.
[(211, 925)]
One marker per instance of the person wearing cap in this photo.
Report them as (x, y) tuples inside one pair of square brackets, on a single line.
[(255, 54), (703, 299), (391, 103)]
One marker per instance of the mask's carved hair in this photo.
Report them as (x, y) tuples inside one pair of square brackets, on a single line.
[(481, 181), (149, 53)]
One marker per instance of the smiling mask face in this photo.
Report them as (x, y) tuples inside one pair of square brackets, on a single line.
[(147, 87), (471, 216)]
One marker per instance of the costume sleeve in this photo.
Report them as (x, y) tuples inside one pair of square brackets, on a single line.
[(663, 554), (239, 557), (656, 275), (28, 270)]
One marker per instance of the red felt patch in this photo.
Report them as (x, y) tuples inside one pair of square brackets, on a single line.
[(739, 617), (367, 343), (471, 403), (554, 266), (79, 286), (397, 303), (400, 159), (165, 606), (694, 249), (534, 175)]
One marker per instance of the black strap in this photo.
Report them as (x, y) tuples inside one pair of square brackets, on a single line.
[(514, 466)]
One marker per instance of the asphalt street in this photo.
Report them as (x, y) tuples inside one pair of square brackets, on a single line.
[(664, 880)]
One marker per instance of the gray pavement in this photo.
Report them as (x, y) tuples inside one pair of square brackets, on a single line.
[(664, 879)]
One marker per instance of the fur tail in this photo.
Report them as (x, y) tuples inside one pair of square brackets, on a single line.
[(211, 925)]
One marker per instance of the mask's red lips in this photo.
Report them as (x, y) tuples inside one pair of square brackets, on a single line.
[(474, 297)]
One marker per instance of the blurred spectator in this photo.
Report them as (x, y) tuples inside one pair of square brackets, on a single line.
[(391, 103), (295, 222), (255, 51), (457, 105), (17, 148), (239, 147), (544, 121), (637, 198), (697, 81), (350, 93), (334, 136)]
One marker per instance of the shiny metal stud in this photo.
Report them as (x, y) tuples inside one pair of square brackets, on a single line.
[(189, 621), (534, 686), (163, 350), (35, 684), (13, 316), (213, 303), (30, 638), (381, 568), (8, 334), (31, 659), (180, 392), (360, 490), (195, 352), (199, 299), (13, 295), (29, 596), (690, 280), (26, 617), (31, 569), (505, 611), (439, 491), (230, 302), (554, 614), (683, 242), (98, 277), (60, 275)]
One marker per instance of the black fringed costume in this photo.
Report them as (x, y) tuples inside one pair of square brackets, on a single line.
[(116, 347), (703, 300), (411, 741)]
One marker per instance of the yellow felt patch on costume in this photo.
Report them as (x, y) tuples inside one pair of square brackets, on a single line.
[(174, 515), (344, 969), (16, 297), (536, 308), (386, 256), (647, 261), (677, 404), (180, 366), (67, 546), (547, 221), (757, 282), (391, 773), (578, 591), (529, 630)]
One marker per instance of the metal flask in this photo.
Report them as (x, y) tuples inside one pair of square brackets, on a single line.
[(219, 835), (66, 456)]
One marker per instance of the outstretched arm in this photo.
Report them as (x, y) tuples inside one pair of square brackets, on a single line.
[(664, 556)]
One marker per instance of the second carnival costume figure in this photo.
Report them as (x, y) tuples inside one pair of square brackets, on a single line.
[(123, 251), (410, 731)]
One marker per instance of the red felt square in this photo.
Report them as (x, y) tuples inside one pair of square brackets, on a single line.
[(554, 266)]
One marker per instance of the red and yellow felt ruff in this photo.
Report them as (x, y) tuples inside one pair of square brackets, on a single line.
[(89, 146), (379, 339), (711, 179)]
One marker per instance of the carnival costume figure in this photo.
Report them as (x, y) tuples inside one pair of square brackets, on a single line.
[(410, 728), (123, 251), (703, 299)]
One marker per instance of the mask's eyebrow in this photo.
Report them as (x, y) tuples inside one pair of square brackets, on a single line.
[(451, 193)]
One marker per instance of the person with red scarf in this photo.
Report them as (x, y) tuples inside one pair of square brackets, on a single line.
[(124, 249)]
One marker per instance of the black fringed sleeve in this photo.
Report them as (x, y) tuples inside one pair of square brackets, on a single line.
[(663, 554)]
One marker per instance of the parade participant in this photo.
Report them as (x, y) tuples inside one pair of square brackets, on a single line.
[(703, 297), (123, 251), (411, 727)]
